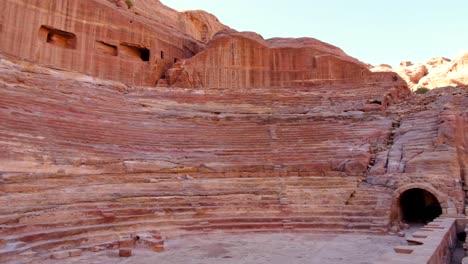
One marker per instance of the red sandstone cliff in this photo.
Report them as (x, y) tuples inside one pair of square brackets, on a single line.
[(102, 39), (280, 134), (245, 60), (196, 24), (123, 159)]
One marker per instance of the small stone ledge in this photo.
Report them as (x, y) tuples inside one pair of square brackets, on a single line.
[(59, 255), (151, 240), (431, 244)]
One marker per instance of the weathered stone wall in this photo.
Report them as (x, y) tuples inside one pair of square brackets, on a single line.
[(97, 38), (432, 244), (244, 60), (197, 24), (428, 144), (84, 160), (273, 135)]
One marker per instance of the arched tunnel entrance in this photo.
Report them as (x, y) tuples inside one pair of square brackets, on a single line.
[(419, 206)]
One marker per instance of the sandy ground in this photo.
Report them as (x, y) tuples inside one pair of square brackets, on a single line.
[(255, 248)]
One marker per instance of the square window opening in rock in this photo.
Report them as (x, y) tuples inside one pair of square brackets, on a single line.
[(107, 48), (135, 51), (58, 37)]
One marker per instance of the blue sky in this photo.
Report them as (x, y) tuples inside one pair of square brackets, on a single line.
[(371, 30)]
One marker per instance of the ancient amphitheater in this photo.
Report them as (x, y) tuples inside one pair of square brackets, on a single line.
[(124, 130)]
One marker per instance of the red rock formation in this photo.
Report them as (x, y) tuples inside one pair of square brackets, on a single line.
[(98, 38), (245, 60), (437, 72), (142, 159), (410, 72), (272, 135), (197, 24), (201, 25), (428, 146), (448, 74)]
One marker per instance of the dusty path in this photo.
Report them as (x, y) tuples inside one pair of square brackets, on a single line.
[(257, 248)]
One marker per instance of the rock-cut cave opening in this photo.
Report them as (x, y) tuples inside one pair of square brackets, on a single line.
[(419, 206), (58, 37)]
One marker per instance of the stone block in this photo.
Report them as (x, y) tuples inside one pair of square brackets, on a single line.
[(114, 245), (452, 212), (125, 252), (158, 248), (156, 235), (153, 244), (126, 242), (75, 252), (60, 255), (97, 248)]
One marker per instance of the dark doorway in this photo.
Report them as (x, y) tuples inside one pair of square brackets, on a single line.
[(135, 50), (419, 206)]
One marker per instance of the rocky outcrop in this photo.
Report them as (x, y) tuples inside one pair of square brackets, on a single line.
[(197, 24), (104, 38), (428, 144), (437, 72), (247, 135), (201, 25), (176, 160), (410, 72), (453, 73), (413, 74), (245, 60)]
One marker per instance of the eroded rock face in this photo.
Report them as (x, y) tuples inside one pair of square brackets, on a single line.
[(202, 25), (249, 134), (245, 60), (453, 73), (104, 38), (410, 72), (436, 72), (428, 144), (87, 155), (197, 24)]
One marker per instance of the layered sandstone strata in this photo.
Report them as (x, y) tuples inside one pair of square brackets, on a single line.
[(100, 38), (85, 161), (235, 60), (427, 147), (249, 134), (196, 24)]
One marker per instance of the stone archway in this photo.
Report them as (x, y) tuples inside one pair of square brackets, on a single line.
[(419, 206), (418, 202)]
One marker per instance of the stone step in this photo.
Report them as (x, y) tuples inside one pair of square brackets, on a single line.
[(56, 231)]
